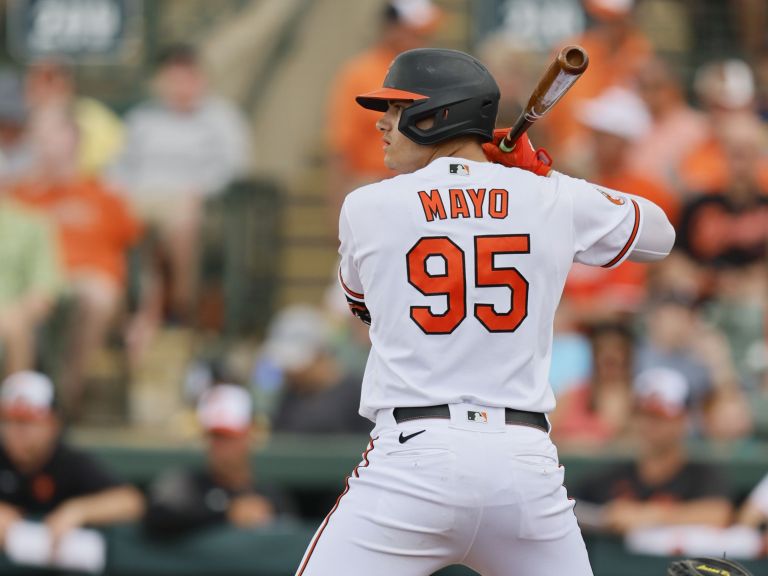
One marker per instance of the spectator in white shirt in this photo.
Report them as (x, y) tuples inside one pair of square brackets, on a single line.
[(182, 146)]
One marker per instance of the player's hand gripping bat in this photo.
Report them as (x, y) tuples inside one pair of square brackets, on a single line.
[(569, 65)]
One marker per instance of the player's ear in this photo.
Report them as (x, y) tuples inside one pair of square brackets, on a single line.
[(426, 123)]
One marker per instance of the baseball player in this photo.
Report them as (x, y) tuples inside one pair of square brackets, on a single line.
[(458, 265)]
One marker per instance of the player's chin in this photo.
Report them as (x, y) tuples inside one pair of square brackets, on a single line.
[(390, 161)]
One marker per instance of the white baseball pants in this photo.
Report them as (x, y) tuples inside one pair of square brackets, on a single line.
[(477, 492)]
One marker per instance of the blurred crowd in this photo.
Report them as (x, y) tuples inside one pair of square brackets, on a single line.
[(645, 357), (82, 189)]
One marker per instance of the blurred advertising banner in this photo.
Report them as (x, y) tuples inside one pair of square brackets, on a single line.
[(86, 31), (537, 25)]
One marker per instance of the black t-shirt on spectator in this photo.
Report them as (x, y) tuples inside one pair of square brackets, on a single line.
[(692, 482), (715, 231), (331, 410), (183, 500), (69, 473)]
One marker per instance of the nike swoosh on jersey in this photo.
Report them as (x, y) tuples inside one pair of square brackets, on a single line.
[(618, 201), (403, 439)]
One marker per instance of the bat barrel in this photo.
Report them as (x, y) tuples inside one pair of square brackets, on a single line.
[(573, 60), (570, 63)]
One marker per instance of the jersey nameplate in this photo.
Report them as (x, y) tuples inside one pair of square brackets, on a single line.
[(464, 203)]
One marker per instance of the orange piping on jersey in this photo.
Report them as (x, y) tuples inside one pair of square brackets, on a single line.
[(336, 506), (432, 204), (636, 227), (349, 291)]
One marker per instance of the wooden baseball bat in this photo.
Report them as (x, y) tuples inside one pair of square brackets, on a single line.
[(570, 64)]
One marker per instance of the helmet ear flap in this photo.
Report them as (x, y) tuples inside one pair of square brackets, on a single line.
[(470, 116), (450, 86)]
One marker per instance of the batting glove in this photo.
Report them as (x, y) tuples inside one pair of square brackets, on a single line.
[(522, 155)]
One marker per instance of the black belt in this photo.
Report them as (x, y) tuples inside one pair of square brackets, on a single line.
[(511, 416)]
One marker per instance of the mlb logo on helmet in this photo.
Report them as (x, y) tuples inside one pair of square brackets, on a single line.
[(481, 417), (461, 169)]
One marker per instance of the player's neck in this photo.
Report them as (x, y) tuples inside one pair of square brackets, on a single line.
[(466, 148)]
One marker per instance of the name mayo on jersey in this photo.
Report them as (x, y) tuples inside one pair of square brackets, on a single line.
[(463, 202), (460, 277)]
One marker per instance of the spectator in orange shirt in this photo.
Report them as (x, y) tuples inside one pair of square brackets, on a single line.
[(725, 88), (676, 128), (95, 228), (615, 120), (617, 49), (353, 141)]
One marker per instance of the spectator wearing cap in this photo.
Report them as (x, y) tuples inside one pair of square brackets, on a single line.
[(40, 475), (617, 48), (661, 487), (676, 128), (615, 120), (182, 146), (316, 397), (354, 144), (225, 490)]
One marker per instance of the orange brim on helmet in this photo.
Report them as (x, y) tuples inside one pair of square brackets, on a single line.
[(379, 99)]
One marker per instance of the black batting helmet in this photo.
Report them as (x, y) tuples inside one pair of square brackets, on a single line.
[(451, 86)]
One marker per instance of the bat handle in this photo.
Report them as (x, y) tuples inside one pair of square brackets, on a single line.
[(571, 62), (507, 143)]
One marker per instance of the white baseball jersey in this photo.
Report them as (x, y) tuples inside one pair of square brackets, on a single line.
[(461, 266)]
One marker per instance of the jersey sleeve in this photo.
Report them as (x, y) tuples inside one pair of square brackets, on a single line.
[(606, 223), (349, 277)]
